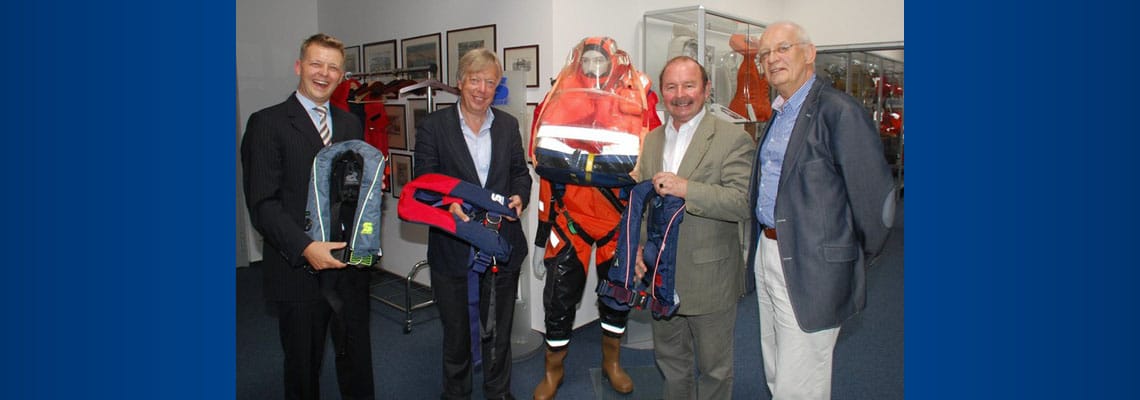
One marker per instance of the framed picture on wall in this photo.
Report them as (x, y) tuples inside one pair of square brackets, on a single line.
[(461, 41), (352, 59), (522, 58), (422, 51), (380, 56), (401, 172), (417, 111), (396, 137)]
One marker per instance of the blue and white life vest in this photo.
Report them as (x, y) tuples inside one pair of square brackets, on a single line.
[(656, 290), (341, 171)]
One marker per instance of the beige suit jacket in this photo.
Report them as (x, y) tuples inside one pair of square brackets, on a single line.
[(710, 268)]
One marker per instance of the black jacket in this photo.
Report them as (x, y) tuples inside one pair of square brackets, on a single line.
[(277, 152), (440, 148)]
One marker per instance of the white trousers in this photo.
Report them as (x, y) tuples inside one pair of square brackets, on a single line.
[(797, 364)]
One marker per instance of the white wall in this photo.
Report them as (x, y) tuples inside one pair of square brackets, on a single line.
[(269, 36), (270, 32), (835, 22)]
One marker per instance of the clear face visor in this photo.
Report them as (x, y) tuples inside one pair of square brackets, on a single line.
[(594, 64)]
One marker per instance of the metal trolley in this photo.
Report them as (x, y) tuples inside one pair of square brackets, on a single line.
[(416, 296)]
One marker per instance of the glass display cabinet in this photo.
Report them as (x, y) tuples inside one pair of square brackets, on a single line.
[(725, 45), (873, 74)]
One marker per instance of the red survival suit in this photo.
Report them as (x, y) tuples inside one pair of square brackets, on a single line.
[(598, 95)]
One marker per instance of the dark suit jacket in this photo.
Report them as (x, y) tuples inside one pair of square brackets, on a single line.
[(440, 148), (834, 207), (277, 152), (710, 272)]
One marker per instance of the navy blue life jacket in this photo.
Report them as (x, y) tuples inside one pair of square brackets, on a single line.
[(656, 290), (345, 200)]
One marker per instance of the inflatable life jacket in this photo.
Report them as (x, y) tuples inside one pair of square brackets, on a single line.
[(751, 99), (589, 128), (345, 200), (425, 199), (657, 289)]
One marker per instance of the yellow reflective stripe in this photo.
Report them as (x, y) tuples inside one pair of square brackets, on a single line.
[(589, 166)]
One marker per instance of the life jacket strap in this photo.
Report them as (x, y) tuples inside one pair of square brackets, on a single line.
[(636, 298)]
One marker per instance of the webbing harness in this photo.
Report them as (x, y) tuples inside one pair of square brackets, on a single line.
[(660, 255), (486, 209), (558, 207)]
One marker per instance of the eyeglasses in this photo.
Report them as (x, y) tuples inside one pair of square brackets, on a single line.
[(781, 49)]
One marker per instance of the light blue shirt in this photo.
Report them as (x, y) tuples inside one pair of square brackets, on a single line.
[(479, 144), (771, 154), (316, 117)]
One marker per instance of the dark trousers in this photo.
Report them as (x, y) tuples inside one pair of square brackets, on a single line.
[(303, 325), (565, 283), (451, 299)]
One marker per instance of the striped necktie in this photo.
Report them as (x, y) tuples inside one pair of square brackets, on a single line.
[(323, 125)]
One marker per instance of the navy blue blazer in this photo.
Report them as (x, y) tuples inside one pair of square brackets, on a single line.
[(834, 207), (440, 148)]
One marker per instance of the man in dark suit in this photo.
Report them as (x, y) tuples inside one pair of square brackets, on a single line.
[(823, 198), (704, 160), (277, 154), (480, 145)]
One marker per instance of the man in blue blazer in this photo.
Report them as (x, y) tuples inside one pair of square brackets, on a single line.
[(480, 145), (823, 199), (277, 152)]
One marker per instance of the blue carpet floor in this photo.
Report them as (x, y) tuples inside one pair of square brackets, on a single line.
[(868, 357)]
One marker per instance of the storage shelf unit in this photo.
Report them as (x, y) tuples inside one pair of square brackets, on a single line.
[(873, 73)]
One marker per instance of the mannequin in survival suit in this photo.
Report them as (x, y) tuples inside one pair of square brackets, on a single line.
[(599, 92)]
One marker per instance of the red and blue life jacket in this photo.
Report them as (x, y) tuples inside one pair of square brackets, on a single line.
[(425, 200)]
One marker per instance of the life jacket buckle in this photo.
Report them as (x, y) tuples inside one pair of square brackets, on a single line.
[(638, 300), (494, 221)]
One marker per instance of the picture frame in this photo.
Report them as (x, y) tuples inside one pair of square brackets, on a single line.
[(417, 111), (352, 59), (380, 56), (397, 138), (523, 58), (421, 51), (460, 41), (401, 172)]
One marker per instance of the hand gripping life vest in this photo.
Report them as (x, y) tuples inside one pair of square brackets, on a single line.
[(656, 290), (345, 200), (589, 128), (425, 200)]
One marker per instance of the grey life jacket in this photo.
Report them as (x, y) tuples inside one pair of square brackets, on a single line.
[(345, 200)]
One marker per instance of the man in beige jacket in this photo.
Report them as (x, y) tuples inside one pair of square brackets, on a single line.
[(706, 161)]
